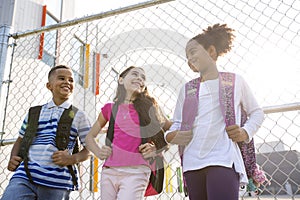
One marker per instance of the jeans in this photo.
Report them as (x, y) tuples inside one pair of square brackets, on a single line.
[(21, 189)]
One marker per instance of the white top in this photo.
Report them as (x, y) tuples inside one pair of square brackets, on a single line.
[(211, 145)]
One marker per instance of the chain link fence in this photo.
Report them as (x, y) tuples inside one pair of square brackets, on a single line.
[(153, 35)]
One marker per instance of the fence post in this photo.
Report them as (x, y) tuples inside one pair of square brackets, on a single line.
[(4, 35)]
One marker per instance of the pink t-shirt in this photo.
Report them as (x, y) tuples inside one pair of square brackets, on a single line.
[(127, 137)]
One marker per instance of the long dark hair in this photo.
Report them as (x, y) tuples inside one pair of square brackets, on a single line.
[(150, 115)]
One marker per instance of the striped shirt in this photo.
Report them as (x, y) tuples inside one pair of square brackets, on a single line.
[(42, 169)]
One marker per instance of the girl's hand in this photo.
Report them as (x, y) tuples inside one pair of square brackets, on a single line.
[(105, 152), (180, 137), (148, 150), (236, 133)]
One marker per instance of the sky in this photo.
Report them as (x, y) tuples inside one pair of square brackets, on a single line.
[(89, 7)]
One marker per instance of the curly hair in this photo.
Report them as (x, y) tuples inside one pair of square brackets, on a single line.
[(218, 35)]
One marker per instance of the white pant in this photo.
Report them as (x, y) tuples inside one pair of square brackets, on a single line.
[(124, 183)]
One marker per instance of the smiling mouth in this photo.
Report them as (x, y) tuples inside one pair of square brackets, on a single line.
[(138, 84), (66, 88), (192, 66)]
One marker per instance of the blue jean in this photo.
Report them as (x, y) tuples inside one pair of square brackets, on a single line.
[(21, 189)]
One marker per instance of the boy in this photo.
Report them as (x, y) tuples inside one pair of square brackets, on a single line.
[(47, 174)]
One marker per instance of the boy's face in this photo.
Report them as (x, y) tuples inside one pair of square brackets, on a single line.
[(61, 84)]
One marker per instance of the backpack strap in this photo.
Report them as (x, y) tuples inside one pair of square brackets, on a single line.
[(63, 135), (191, 98), (29, 135), (226, 94), (189, 113), (111, 126), (31, 129), (64, 127)]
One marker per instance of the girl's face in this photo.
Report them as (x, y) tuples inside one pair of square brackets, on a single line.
[(134, 80), (199, 59)]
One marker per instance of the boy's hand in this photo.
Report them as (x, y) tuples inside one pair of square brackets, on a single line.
[(236, 133), (181, 137), (105, 152), (14, 162), (62, 158)]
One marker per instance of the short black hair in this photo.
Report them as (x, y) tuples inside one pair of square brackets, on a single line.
[(52, 70)]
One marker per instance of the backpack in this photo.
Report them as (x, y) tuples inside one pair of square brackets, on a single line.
[(62, 136), (226, 95), (156, 180)]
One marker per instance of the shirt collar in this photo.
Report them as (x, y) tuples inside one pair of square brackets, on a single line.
[(64, 105)]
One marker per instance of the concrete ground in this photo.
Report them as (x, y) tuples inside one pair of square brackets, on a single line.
[(267, 197)]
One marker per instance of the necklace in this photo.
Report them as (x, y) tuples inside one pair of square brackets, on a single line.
[(126, 112), (125, 115)]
